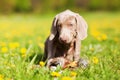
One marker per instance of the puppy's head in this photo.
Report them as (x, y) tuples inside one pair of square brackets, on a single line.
[(68, 25), (66, 28)]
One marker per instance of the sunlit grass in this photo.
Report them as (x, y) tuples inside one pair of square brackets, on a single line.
[(22, 43)]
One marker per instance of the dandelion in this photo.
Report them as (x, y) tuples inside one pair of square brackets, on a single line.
[(73, 74), (4, 49), (55, 74), (1, 77), (100, 37), (23, 52), (95, 60), (41, 63), (95, 33), (13, 45), (17, 44), (66, 78), (104, 36)]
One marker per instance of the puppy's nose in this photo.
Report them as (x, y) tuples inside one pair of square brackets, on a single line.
[(63, 39)]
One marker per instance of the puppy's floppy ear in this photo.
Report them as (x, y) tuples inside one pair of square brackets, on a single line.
[(53, 29), (81, 27)]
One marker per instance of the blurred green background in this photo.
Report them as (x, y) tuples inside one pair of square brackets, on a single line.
[(46, 6)]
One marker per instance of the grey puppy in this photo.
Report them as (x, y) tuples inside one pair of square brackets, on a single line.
[(68, 29)]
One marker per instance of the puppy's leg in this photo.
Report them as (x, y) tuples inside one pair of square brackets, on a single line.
[(77, 50), (49, 51)]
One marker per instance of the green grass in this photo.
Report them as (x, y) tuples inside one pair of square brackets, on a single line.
[(30, 32)]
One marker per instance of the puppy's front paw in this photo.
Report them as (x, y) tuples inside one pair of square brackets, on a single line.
[(49, 62), (53, 63), (59, 61)]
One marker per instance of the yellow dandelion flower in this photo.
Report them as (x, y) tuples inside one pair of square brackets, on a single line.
[(73, 74), (66, 78), (41, 63), (95, 33), (95, 60), (17, 44), (1, 77), (55, 74), (13, 45), (23, 52), (104, 37), (4, 49)]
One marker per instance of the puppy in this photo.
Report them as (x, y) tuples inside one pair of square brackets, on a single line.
[(68, 29)]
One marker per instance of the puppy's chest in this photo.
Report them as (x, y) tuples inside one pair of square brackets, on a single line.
[(63, 51)]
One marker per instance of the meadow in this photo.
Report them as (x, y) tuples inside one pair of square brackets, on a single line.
[(22, 39)]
